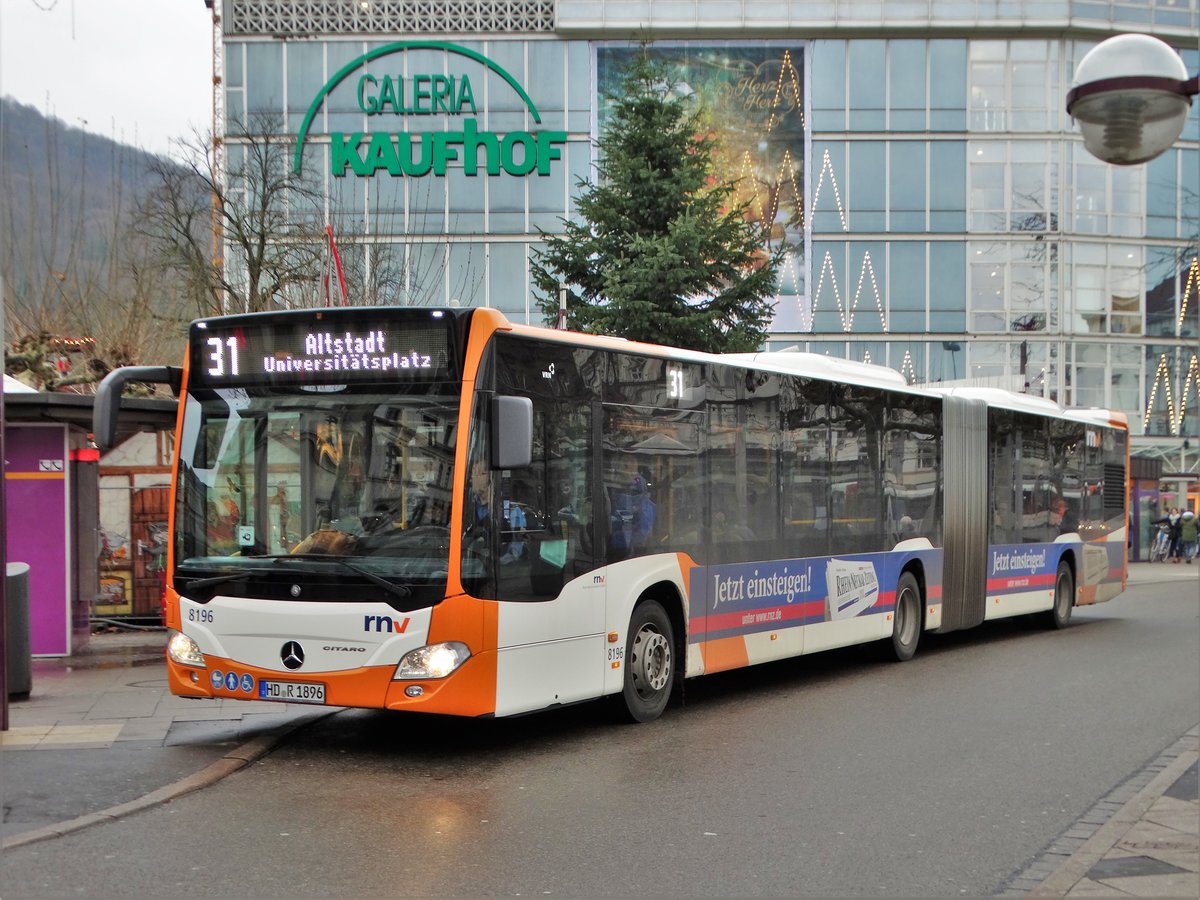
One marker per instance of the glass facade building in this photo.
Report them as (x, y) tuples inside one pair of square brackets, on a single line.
[(940, 213)]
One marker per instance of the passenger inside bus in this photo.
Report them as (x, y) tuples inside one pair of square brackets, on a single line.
[(633, 515), (1063, 516)]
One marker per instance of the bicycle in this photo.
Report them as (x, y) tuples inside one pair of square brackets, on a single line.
[(1161, 545)]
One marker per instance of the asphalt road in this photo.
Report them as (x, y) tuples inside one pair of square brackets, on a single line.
[(835, 775)]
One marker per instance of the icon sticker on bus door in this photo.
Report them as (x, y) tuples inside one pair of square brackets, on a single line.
[(851, 587)]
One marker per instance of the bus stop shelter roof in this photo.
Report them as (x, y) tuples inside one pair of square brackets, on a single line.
[(136, 414)]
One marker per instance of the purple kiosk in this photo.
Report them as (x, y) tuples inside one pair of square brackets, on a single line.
[(51, 508)]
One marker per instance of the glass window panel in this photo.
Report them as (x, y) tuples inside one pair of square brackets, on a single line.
[(1191, 128), (866, 67), (987, 187), (947, 286), (866, 186), (386, 284), (506, 193), (947, 191), (866, 311), (234, 70), (466, 194), (579, 77), (426, 275), (907, 85), (264, 85), (829, 195), (907, 177), (546, 75), (465, 273), (341, 106), (548, 193), (1089, 387), (906, 293), (506, 279), (347, 197), (427, 205), (830, 296), (947, 360), (1029, 195), (987, 287), (828, 85), (507, 223), (1161, 193), (305, 75), (385, 197), (1161, 284), (948, 89), (1189, 167), (510, 56)]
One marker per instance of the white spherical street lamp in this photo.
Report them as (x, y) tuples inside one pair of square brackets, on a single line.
[(1130, 96)]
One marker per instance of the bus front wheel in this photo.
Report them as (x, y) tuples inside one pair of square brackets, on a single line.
[(1064, 597), (649, 662), (906, 619)]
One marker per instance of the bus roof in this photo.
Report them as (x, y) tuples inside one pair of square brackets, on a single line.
[(1031, 403), (815, 365)]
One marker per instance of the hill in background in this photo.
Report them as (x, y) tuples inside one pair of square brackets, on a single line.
[(62, 192)]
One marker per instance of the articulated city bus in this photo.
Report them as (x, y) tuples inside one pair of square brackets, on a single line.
[(441, 511)]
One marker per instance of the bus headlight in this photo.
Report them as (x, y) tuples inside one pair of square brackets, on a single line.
[(183, 650), (434, 661)]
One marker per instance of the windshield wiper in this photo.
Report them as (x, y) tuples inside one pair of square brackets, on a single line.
[(399, 590), (196, 583)]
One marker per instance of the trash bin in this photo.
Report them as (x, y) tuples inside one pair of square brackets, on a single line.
[(18, 657)]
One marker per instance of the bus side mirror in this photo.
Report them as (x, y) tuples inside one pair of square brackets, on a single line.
[(107, 404), (512, 432)]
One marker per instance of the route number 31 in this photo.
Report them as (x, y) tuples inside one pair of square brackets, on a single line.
[(224, 356), (674, 382)]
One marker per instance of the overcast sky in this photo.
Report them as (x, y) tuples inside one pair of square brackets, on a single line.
[(138, 71)]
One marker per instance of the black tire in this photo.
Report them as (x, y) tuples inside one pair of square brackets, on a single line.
[(907, 619), (1064, 597), (650, 663)]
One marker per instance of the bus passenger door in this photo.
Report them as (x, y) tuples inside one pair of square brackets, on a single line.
[(551, 640)]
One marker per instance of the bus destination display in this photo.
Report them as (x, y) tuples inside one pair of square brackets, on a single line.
[(318, 352)]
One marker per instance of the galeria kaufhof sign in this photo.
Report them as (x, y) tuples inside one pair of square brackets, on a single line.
[(395, 103)]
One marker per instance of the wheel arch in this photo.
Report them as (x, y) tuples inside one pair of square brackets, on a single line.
[(1068, 556), (916, 566), (668, 596)]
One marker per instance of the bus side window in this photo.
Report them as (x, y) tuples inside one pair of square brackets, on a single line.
[(546, 530)]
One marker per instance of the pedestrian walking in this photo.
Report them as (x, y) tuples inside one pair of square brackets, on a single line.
[(1189, 535), (1173, 521)]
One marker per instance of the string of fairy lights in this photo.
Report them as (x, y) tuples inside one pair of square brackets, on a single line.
[(1179, 394), (1190, 384), (847, 311)]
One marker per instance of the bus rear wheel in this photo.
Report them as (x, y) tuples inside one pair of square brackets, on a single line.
[(907, 619), (649, 662), (1064, 597)]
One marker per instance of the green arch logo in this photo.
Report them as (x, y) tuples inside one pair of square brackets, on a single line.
[(387, 50)]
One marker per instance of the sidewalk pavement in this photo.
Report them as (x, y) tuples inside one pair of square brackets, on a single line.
[(100, 737)]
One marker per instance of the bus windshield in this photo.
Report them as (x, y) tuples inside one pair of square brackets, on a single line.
[(338, 490)]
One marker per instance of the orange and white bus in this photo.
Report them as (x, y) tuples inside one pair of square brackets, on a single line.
[(441, 511)]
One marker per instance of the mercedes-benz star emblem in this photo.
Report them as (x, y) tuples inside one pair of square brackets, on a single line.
[(292, 655)]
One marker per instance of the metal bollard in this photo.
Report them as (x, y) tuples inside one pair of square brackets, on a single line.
[(18, 657)]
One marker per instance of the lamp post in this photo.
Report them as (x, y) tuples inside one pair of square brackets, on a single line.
[(1130, 96)]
